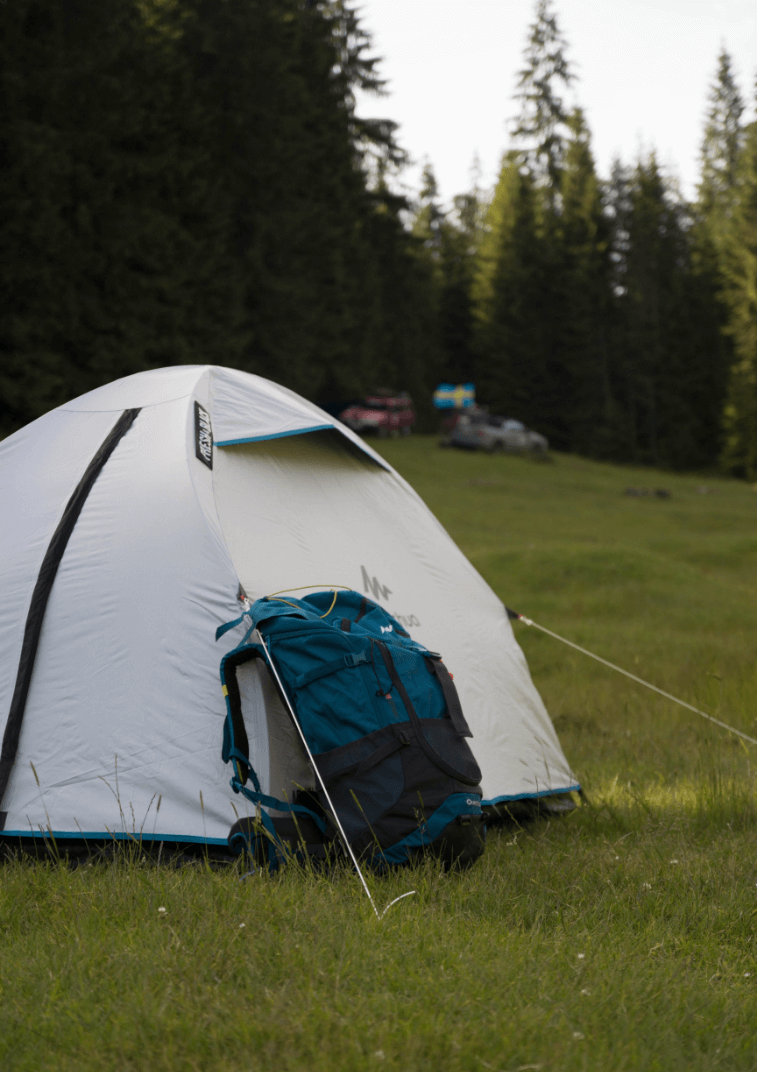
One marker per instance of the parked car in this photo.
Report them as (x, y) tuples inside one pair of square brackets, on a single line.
[(478, 430), (381, 414)]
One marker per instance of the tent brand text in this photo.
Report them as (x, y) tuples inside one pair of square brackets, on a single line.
[(203, 436)]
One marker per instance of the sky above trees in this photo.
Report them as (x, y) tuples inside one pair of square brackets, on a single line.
[(643, 68)]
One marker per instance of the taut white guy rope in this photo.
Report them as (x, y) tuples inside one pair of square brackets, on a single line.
[(681, 703)]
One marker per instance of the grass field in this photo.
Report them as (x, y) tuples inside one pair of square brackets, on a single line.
[(619, 937)]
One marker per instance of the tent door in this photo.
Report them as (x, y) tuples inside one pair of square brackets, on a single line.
[(276, 751)]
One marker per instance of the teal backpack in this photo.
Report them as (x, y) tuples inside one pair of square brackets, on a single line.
[(383, 722)]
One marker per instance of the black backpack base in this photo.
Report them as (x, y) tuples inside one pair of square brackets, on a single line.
[(284, 840), (459, 845)]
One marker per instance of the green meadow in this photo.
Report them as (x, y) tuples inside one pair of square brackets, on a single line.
[(620, 936)]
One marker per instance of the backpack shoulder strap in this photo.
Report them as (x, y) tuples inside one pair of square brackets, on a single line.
[(256, 797), (236, 746), (425, 744)]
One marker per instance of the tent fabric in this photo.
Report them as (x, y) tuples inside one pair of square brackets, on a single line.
[(122, 727), (246, 408), (42, 588)]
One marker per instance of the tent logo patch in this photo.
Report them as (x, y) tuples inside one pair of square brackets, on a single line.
[(203, 436), (374, 586), (379, 591)]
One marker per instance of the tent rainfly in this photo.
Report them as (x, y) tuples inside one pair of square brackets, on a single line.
[(135, 519)]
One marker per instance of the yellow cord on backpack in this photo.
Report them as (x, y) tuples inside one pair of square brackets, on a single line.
[(300, 587)]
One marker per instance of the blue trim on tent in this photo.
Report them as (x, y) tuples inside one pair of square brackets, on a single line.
[(108, 835), (275, 435), (302, 431), (532, 796)]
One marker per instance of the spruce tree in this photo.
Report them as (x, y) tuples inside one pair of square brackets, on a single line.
[(406, 288), (650, 272), (662, 355), (110, 252), (721, 144), (740, 272), (542, 126), (533, 323), (583, 283), (428, 217), (355, 67), (511, 345), (712, 222), (461, 234)]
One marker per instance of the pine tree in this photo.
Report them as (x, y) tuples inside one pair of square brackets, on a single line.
[(406, 287), (650, 273), (740, 272), (713, 220), (104, 271), (373, 139), (721, 144), (511, 345), (583, 277), (539, 286), (662, 356), (543, 124), (461, 234), (428, 218)]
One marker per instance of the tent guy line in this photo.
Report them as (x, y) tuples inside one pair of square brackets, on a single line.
[(682, 703)]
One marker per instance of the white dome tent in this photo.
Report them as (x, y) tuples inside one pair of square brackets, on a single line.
[(135, 517)]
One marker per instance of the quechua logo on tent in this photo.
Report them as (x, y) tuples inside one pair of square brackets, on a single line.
[(374, 586), (203, 436), (380, 593)]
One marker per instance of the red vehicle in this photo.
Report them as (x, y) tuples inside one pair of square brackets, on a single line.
[(383, 413)]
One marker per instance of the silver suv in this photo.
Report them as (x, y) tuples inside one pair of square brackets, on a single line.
[(484, 431)]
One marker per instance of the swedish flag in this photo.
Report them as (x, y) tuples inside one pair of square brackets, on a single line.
[(449, 396)]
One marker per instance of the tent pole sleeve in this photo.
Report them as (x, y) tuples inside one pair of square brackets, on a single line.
[(41, 594)]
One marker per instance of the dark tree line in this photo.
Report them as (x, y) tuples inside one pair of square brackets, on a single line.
[(187, 181)]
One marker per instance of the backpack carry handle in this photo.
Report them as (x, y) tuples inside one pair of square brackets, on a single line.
[(452, 700)]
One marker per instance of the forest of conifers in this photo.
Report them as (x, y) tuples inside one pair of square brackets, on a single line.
[(188, 182)]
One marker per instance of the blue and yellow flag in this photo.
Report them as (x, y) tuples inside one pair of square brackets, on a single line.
[(449, 396)]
